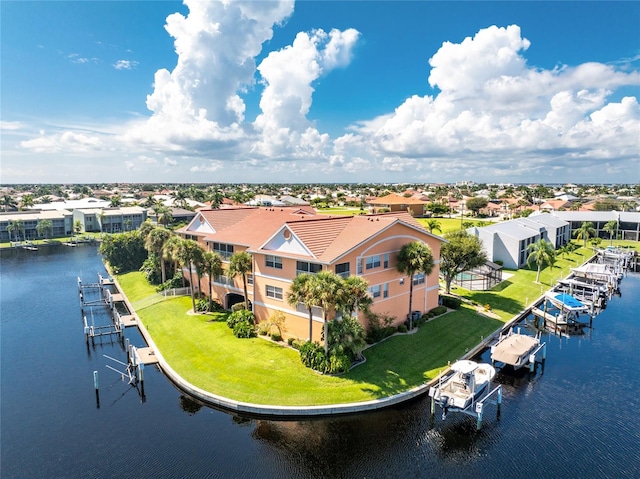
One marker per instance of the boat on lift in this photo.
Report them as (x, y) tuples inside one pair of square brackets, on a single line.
[(515, 349), (462, 386)]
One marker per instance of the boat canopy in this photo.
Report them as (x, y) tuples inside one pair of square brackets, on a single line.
[(514, 348), (567, 301), (464, 366)]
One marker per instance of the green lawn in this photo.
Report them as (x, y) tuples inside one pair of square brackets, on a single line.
[(447, 225), (342, 210), (206, 354), (513, 294)]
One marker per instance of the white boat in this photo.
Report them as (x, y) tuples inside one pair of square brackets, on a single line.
[(566, 303), (466, 382), (515, 349)]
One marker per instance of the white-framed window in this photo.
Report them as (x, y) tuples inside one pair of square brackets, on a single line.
[(386, 260), (418, 279), (249, 279), (375, 291), (273, 261), (385, 290), (359, 263), (273, 292), (372, 262), (224, 250), (343, 269), (306, 267)]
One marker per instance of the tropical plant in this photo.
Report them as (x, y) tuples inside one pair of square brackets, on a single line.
[(124, 252), (185, 254), (77, 227), (327, 290), (8, 202), (240, 264), (611, 227), (476, 203), (585, 232), (26, 202), (16, 227), (462, 252), (44, 227), (414, 257), (346, 336), (541, 252), (433, 225), (115, 201), (154, 243), (356, 296), (170, 253), (212, 264), (302, 291)]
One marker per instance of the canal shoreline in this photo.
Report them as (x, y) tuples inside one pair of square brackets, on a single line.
[(294, 412)]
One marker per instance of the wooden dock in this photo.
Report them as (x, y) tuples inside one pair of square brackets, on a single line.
[(146, 356)]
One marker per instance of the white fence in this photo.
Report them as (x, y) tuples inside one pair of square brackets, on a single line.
[(161, 296)]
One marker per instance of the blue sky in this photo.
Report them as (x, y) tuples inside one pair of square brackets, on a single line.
[(320, 91)]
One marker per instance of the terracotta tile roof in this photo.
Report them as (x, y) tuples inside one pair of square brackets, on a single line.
[(395, 199), (251, 226)]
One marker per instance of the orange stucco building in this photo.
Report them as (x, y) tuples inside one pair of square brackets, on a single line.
[(287, 241)]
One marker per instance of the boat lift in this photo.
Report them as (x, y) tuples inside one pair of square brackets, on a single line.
[(476, 408)]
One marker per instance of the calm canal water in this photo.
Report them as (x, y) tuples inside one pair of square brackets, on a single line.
[(581, 418)]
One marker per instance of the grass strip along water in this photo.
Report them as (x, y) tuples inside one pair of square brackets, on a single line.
[(205, 352)]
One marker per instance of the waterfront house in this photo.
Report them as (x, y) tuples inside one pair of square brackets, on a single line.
[(285, 242), (508, 241), (628, 222), (394, 202), (61, 222)]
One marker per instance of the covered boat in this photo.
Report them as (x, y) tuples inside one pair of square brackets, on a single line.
[(515, 349), (464, 385), (566, 302)]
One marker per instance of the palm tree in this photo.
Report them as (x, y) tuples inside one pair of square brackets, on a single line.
[(170, 252), (327, 291), (302, 291), (541, 252), (240, 263), (414, 257), (212, 264), (26, 202), (154, 243), (8, 202), (115, 201), (185, 253), (44, 227), (611, 227), (433, 225), (16, 227), (356, 295), (585, 232)]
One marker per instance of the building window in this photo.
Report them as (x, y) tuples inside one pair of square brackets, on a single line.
[(274, 292), (343, 270), (305, 267), (315, 310), (222, 279), (375, 291), (418, 279), (373, 262), (359, 262), (249, 279), (386, 260), (274, 261), (224, 250), (385, 290)]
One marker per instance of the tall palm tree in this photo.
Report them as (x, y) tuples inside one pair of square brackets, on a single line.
[(356, 295), (240, 263), (115, 201), (611, 227), (414, 257), (16, 227), (26, 202), (170, 252), (585, 232), (186, 252), (302, 291), (44, 227), (212, 264), (328, 292), (433, 225), (154, 243), (541, 252), (8, 202)]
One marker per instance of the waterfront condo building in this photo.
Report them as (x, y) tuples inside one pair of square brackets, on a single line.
[(287, 241)]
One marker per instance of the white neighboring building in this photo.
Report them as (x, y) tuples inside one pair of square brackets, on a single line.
[(628, 222), (508, 241)]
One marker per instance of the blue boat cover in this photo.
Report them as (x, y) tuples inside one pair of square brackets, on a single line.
[(569, 300)]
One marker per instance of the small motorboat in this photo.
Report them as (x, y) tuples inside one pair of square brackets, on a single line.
[(465, 383)]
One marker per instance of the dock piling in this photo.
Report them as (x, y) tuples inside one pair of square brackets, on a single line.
[(95, 385)]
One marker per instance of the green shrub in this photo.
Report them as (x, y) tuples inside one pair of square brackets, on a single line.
[(402, 328), (379, 327), (237, 307), (290, 341), (263, 328), (499, 262), (312, 356), (202, 305), (297, 344), (338, 363), (241, 315), (451, 302), (438, 310), (276, 337), (175, 282), (244, 329)]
